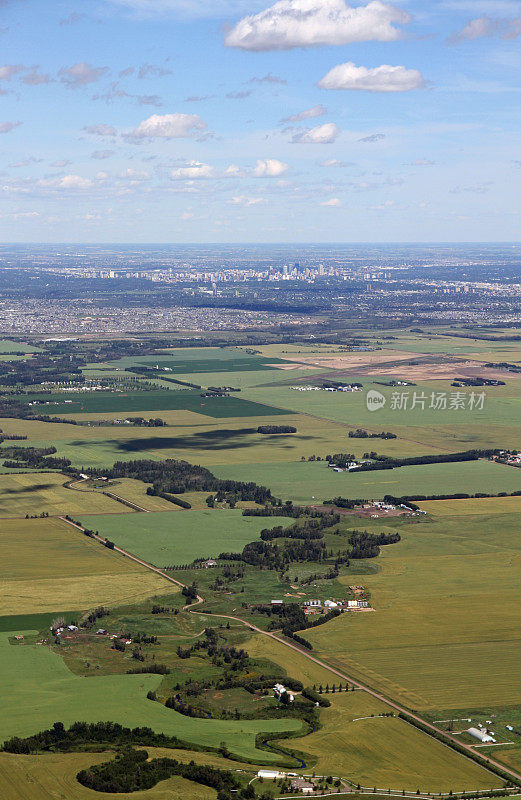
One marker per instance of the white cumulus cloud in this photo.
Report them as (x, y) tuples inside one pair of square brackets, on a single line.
[(333, 202), (311, 23), (269, 168), (321, 134), (193, 170), (168, 126), (377, 79), (74, 182)]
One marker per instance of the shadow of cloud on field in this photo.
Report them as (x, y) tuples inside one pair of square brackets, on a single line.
[(221, 439), (36, 487)]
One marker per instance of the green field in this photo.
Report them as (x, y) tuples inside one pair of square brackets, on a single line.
[(38, 689), (178, 537), (202, 440), (48, 566), (35, 493), (494, 426), (386, 752), (161, 400), (314, 480), (6, 346), (447, 599), (230, 364)]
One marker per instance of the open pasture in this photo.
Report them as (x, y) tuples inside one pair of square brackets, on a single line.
[(447, 599), (7, 346), (300, 667), (48, 566), (315, 481), (180, 536), (150, 401), (496, 425), (44, 492), (52, 776), (202, 441), (55, 693), (386, 752)]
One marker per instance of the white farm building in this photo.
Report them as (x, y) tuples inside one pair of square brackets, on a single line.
[(483, 736)]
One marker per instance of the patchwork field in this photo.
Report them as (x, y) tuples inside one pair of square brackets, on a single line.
[(48, 566), (310, 481), (36, 672), (448, 614), (44, 492), (178, 537), (386, 752)]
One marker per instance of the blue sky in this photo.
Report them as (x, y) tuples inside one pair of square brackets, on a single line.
[(246, 120)]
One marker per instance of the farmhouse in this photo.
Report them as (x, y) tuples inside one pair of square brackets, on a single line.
[(302, 785), (313, 603), (279, 690)]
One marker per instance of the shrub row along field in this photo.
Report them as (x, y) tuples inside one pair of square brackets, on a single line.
[(175, 537), (448, 612), (48, 566), (37, 673), (160, 400), (306, 482)]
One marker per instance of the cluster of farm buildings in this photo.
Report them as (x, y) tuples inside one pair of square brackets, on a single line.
[(350, 387), (314, 606)]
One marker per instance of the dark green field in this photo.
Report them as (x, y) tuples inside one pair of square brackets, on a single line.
[(161, 400), (239, 364), (36, 622)]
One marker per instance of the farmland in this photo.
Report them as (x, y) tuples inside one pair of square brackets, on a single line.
[(44, 492), (152, 401), (47, 566), (444, 633), (385, 751), (179, 537), (51, 776), (200, 440), (307, 481), (442, 627), (56, 692)]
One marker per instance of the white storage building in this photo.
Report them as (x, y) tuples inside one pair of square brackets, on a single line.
[(483, 736)]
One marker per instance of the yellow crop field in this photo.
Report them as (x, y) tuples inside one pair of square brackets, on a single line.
[(386, 752), (47, 565), (52, 776), (44, 492)]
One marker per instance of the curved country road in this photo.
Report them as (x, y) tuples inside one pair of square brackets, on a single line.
[(483, 760)]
